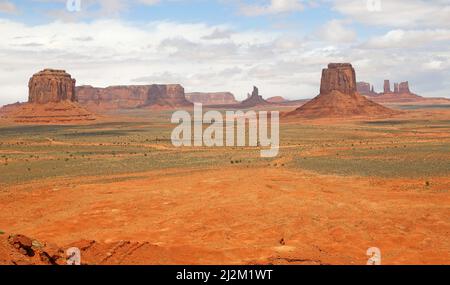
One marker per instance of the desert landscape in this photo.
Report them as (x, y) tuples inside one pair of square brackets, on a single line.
[(241, 134), (95, 168)]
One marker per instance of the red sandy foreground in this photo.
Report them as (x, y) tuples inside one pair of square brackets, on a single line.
[(209, 217)]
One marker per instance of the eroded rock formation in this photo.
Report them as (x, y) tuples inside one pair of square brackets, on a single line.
[(51, 86), (51, 100), (338, 77), (254, 100), (339, 97)]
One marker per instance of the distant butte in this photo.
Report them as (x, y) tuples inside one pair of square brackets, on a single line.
[(339, 97), (254, 100)]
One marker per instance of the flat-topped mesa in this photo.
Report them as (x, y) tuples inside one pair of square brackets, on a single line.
[(214, 98), (338, 77), (171, 95), (113, 97), (51, 86), (132, 96)]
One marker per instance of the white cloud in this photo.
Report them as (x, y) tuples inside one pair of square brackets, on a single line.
[(273, 7), (149, 2), (408, 38), (398, 13), (8, 7), (335, 31)]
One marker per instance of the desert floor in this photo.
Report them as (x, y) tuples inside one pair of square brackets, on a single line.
[(123, 194)]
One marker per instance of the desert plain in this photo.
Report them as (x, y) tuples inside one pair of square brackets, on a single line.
[(120, 191)]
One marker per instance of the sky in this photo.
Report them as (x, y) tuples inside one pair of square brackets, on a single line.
[(281, 46)]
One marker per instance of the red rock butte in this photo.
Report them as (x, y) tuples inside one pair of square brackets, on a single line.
[(51, 85), (51, 100), (339, 97)]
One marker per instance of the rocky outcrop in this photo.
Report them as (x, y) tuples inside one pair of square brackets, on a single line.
[(254, 100), (216, 98), (51, 86), (132, 96), (51, 100), (339, 97), (22, 250)]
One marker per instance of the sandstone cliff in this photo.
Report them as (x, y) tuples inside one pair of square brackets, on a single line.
[(132, 96), (167, 96)]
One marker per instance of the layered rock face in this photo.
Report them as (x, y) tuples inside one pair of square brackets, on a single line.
[(254, 100), (132, 96), (51, 85), (338, 77), (114, 97), (216, 98), (339, 97), (167, 96), (52, 100)]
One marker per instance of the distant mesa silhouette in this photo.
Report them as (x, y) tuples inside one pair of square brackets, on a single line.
[(211, 98), (254, 100)]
